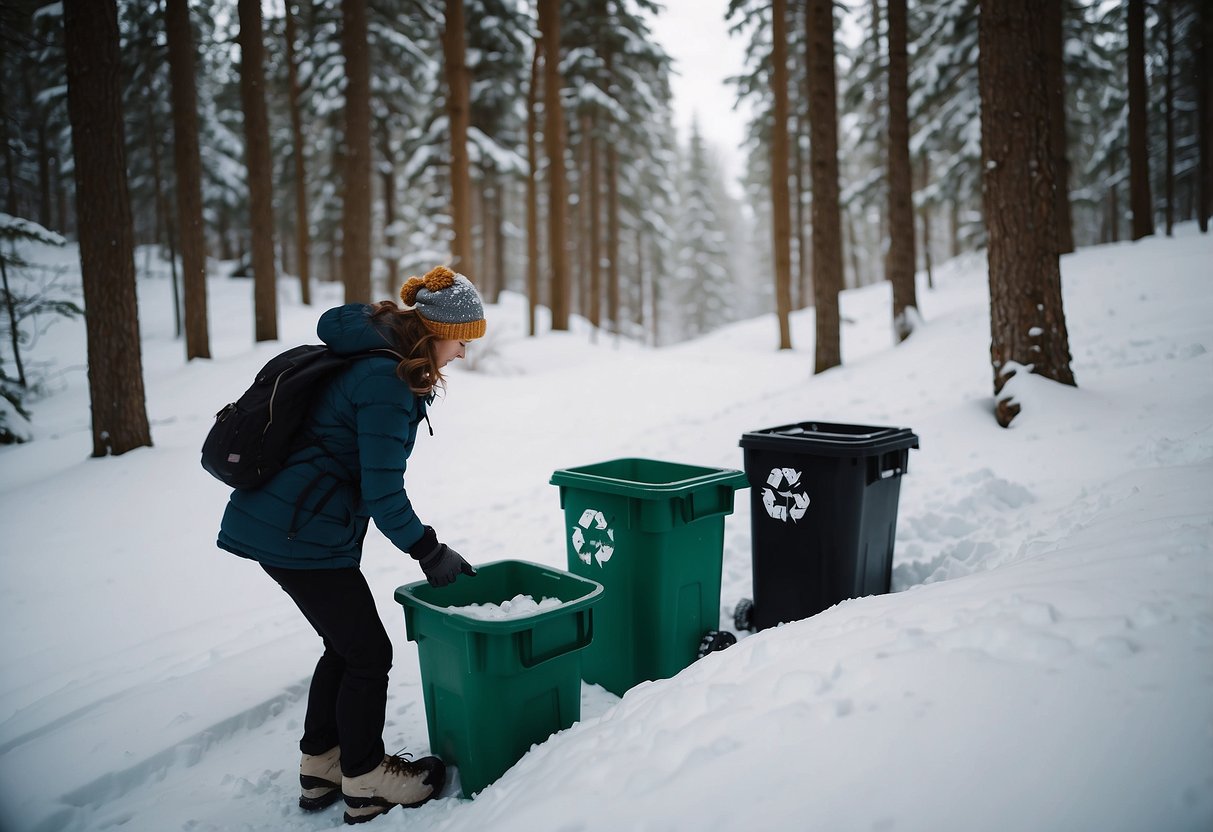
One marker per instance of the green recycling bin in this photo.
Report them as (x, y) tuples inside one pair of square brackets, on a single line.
[(493, 687), (652, 533)]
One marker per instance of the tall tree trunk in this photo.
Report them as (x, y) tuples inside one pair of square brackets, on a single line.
[(303, 233), (458, 109), (901, 257), (260, 169), (823, 150), (42, 147), (803, 282), (612, 206), (1139, 105), (1169, 173), (925, 212), (590, 204), (655, 300), (356, 214), (1054, 42), (781, 220), (579, 223), (391, 255), (954, 227), (107, 258), (187, 162), (499, 236), (553, 139), (1027, 321), (1203, 27), (532, 191)]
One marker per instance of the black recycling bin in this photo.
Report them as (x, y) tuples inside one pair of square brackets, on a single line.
[(823, 505)]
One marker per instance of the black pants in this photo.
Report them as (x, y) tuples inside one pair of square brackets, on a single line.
[(348, 696)]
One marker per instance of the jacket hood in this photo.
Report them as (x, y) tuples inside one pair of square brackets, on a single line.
[(348, 329)]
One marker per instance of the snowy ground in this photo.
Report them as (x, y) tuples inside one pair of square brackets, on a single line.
[(1046, 663)]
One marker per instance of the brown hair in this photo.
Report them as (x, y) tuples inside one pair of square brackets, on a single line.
[(415, 342)]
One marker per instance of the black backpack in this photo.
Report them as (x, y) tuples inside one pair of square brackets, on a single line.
[(253, 436)]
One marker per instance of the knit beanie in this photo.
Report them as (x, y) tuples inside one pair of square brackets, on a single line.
[(447, 302)]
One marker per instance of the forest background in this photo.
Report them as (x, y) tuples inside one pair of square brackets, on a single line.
[(532, 145)]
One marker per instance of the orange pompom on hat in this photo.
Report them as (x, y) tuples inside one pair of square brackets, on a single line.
[(447, 302)]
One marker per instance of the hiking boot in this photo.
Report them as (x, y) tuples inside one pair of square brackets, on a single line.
[(320, 779), (396, 781)]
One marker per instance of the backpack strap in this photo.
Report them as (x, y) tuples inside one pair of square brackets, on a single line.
[(293, 531)]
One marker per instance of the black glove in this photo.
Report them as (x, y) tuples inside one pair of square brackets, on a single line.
[(443, 565)]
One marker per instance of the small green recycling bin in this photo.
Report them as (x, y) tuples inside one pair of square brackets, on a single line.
[(493, 687), (652, 533)]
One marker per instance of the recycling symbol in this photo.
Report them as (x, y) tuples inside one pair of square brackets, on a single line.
[(592, 538), (783, 496)]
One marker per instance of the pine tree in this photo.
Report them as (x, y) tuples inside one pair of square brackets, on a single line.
[(1027, 321), (1139, 152), (261, 189), (827, 231), (188, 167), (901, 258), (705, 268), (780, 206), (94, 94), (356, 199)]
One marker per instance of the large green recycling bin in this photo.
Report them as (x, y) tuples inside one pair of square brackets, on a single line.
[(493, 688), (652, 533)]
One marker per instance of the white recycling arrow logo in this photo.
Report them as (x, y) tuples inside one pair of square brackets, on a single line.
[(592, 538), (783, 497)]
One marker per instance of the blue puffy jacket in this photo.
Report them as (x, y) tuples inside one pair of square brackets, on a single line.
[(362, 430)]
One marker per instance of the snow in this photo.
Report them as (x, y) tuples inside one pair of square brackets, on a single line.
[(512, 609), (1045, 661)]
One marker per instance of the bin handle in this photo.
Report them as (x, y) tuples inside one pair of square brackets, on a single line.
[(585, 634), (690, 515)]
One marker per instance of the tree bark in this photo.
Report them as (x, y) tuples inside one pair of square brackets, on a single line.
[(1140, 201), (589, 202), (1168, 69), (803, 283), (188, 164), (1054, 42), (532, 191), (458, 110), (1204, 114), (781, 221), (107, 260), (612, 241), (391, 256), (901, 258), (356, 214), (612, 207), (553, 139), (823, 159), (1027, 320), (303, 233), (260, 169), (925, 212)]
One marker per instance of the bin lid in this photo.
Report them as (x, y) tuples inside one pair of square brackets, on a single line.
[(830, 439), (649, 479)]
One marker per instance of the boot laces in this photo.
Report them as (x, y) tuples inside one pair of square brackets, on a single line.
[(399, 763)]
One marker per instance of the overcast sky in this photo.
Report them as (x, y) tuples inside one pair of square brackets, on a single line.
[(695, 35)]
